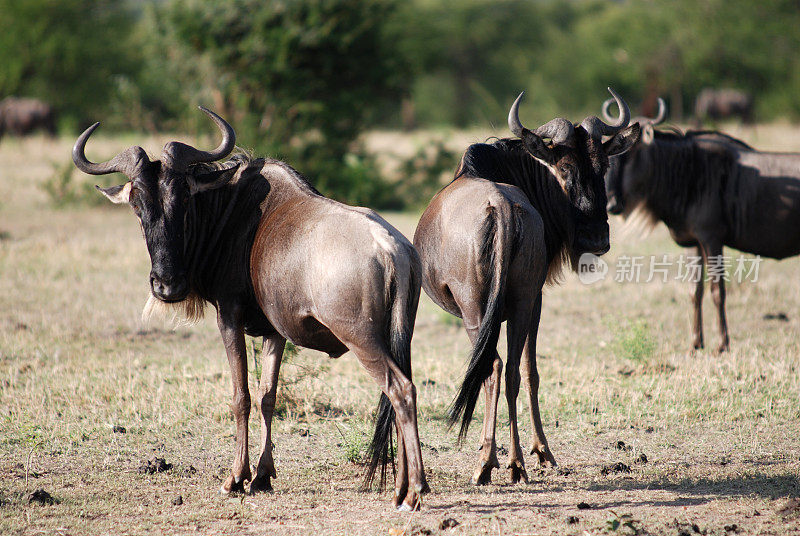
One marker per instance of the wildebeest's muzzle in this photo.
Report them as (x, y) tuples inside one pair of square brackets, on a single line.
[(592, 237), (169, 288)]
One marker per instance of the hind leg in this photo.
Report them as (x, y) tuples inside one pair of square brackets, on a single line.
[(716, 269), (401, 479), (531, 375), (517, 332), (403, 397), (487, 459), (271, 354)]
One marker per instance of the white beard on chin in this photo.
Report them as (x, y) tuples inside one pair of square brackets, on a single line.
[(183, 313)]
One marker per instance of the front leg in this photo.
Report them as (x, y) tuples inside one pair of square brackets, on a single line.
[(229, 320), (271, 355), (697, 302)]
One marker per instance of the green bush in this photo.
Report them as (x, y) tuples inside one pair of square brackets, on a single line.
[(65, 189)]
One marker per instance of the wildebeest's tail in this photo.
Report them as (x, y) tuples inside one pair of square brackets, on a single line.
[(496, 258), (403, 292)]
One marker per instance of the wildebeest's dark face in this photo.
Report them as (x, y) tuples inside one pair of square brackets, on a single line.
[(578, 159), (159, 197), (579, 168), (627, 173), (160, 192)]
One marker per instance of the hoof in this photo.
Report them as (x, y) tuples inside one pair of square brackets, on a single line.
[(412, 503), (516, 471), (400, 496), (260, 484), (724, 347), (483, 475), (544, 457), (232, 486)]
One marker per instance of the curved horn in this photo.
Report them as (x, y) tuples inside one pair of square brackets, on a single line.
[(662, 112), (657, 120), (513, 117), (597, 129), (126, 162), (605, 111), (189, 155), (559, 130)]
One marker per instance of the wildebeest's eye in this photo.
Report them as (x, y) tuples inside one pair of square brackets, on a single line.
[(566, 169)]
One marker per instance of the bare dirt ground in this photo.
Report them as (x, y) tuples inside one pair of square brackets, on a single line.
[(89, 396)]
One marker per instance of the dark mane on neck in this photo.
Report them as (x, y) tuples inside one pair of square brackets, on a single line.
[(238, 159), (220, 230), (682, 174), (506, 161)]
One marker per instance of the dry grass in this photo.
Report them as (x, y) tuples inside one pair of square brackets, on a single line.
[(721, 434)]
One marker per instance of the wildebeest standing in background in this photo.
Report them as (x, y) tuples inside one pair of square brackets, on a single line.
[(21, 116), (615, 162), (517, 210), (711, 191), (277, 259), (716, 104)]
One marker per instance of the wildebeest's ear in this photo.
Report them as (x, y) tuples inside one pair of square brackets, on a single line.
[(648, 133), (537, 147), (623, 140), (202, 182), (117, 194)]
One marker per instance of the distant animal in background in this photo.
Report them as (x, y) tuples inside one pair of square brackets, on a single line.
[(716, 104), (278, 260), (22, 116), (710, 190), (517, 211)]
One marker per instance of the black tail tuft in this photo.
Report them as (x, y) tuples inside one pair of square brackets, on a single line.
[(485, 348), (381, 451)]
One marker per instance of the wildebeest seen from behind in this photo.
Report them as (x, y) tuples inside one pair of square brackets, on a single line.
[(715, 104), (21, 116), (517, 210), (277, 259), (711, 191)]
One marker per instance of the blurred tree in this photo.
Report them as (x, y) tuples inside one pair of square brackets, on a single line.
[(300, 78), (674, 49), (66, 52), (470, 58)]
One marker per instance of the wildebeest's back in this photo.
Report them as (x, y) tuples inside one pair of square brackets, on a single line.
[(450, 240), (350, 258), (769, 184)]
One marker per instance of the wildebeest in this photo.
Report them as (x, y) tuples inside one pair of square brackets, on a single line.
[(715, 104), (711, 191), (21, 116), (517, 210), (277, 259)]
